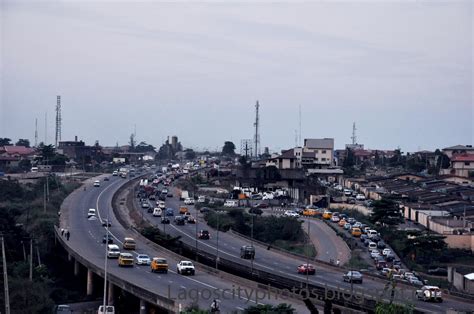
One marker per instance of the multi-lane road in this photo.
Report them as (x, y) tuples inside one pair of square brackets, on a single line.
[(86, 240), (285, 265)]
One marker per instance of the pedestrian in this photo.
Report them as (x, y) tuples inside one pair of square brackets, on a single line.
[(68, 235), (62, 231), (338, 262)]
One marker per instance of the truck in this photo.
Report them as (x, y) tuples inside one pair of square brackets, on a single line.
[(183, 195)]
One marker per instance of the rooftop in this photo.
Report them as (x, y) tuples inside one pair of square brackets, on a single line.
[(327, 143)]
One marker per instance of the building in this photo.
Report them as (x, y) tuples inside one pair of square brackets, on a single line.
[(78, 150), (458, 150), (462, 278), (318, 153), (462, 165), (286, 160)]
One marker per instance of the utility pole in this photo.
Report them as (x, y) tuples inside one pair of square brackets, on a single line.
[(217, 242), (257, 135), (31, 259), (5, 279), (44, 197)]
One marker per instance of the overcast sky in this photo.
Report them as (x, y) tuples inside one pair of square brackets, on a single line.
[(402, 70)]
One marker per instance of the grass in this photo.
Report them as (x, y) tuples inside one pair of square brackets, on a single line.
[(356, 261), (296, 247)]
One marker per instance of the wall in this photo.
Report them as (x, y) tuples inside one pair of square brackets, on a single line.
[(460, 241), (361, 209)]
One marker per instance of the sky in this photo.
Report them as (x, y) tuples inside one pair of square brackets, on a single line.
[(401, 70)]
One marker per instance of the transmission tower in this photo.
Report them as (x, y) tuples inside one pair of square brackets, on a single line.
[(58, 120), (354, 137), (257, 135), (246, 148)]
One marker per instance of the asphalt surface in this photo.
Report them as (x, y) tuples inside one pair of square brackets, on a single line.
[(282, 264), (86, 239)]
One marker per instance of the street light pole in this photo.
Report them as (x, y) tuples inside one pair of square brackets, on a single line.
[(106, 261), (251, 244), (217, 240), (196, 234), (307, 257)]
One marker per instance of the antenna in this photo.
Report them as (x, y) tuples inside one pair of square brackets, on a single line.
[(296, 138), (246, 147), (299, 138), (354, 137), (36, 132), (58, 121), (257, 135)]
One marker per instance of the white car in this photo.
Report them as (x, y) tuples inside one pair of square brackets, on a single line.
[(96, 183), (374, 253), (429, 293), (290, 213), (335, 218), (142, 259), (360, 197), (185, 267), (385, 252), (189, 201), (268, 196)]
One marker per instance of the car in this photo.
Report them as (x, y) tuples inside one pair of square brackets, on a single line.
[(335, 218), (372, 245), (357, 224), (115, 173), (256, 196), (203, 210), (385, 271), (179, 220), (109, 309), (165, 220), (327, 214), (352, 277), (169, 212), (386, 252), (169, 195), (381, 245), (129, 244), (96, 183), (363, 237), (367, 242), (360, 197), (347, 226), (157, 212), (415, 281), (63, 309), (191, 220), (351, 220), (189, 201), (142, 259), (429, 293), (106, 223), (290, 213), (125, 259), (107, 240), (261, 205), (113, 251), (374, 253), (381, 264), (306, 269), (185, 267), (106, 179), (342, 222), (91, 212), (159, 265), (204, 235), (145, 205), (183, 210)]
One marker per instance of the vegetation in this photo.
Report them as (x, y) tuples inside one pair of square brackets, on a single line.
[(282, 232), (23, 218), (228, 149), (282, 308)]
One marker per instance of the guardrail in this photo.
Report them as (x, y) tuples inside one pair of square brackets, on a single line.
[(138, 291)]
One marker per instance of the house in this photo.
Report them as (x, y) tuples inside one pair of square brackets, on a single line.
[(462, 165), (458, 149), (317, 153), (286, 160)]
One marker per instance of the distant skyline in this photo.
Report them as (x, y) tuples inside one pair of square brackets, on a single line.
[(402, 70)]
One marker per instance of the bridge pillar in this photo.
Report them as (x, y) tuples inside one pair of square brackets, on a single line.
[(76, 268), (69, 257), (142, 306), (110, 294), (90, 282)]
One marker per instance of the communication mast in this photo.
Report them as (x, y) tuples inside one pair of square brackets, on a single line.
[(354, 137), (58, 120), (36, 132), (257, 135), (299, 135)]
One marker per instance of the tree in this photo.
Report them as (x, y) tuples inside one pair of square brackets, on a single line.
[(143, 147), (47, 151), (189, 154), (5, 141), (349, 161), (23, 142), (228, 149), (386, 212)]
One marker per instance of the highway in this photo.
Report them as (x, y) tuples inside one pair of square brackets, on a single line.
[(86, 239), (285, 265)]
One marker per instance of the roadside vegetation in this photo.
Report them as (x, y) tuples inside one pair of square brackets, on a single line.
[(23, 218), (282, 232)]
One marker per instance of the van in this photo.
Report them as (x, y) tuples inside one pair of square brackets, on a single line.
[(183, 210), (91, 212), (157, 212), (372, 233), (129, 244), (247, 252), (327, 214), (113, 251)]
